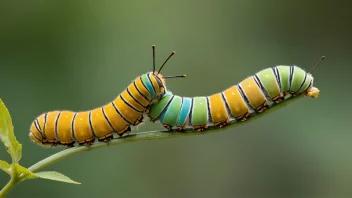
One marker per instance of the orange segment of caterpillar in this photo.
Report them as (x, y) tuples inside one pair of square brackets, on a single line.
[(127, 109), (239, 103)]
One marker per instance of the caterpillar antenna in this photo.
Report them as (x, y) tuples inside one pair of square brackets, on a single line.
[(172, 53), (153, 47), (321, 58), (179, 76)]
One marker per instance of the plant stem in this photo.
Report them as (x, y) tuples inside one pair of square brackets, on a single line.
[(10, 184), (149, 135)]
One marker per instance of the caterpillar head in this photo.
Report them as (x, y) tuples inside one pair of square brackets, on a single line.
[(152, 85), (157, 80)]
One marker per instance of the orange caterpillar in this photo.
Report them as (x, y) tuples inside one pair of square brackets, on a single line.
[(67, 127)]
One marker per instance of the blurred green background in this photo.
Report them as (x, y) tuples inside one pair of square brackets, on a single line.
[(81, 54)]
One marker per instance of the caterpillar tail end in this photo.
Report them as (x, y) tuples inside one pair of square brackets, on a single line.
[(313, 92)]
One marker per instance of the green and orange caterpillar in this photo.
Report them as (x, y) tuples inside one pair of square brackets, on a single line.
[(67, 127), (249, 98)]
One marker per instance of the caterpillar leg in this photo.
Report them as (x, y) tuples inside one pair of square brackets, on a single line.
[(87, 142), (243, 117), (278, 99), (222, 123), (312, 92), (181, 128), (147, 109), (124, 130), (262, 107), (139, 120), (53, 143), (68, 144), (106, 138), (168, 127), (152, 119), (200, 127)]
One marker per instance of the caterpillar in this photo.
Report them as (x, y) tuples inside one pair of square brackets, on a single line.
[(240, 102), (68, 127)]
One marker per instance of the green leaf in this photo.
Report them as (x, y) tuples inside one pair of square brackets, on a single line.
[(13, 147), (56, 176), (23, 173), (5, 167)]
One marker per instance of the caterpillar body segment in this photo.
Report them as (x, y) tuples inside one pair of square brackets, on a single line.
[(253, 95)]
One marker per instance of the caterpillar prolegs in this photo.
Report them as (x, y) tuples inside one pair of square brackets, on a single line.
[(240, 102), (68, 127)]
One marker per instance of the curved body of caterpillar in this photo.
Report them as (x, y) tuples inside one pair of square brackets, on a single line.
[(67, 127), (253, 95)]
